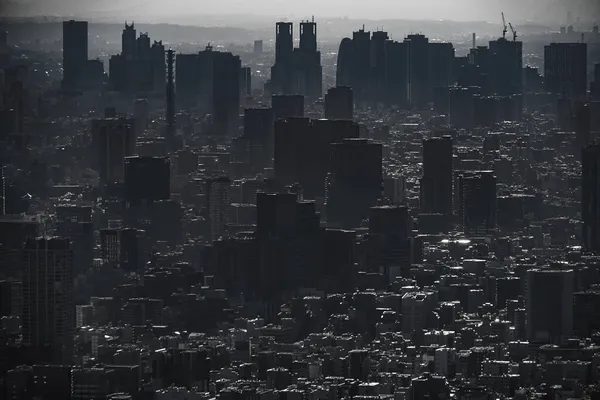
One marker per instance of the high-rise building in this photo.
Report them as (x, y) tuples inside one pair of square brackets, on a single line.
[(147, 179), (74, 222), (549, 305), (339, 103), (595, 86), (75, 52), (123, 248), (287, 106), (128, 42), (217, 205), (258, 47), (245, 81), (590, 197), (565, 69), (113, 139), (297, 71), (506, 67), (436, 183), (355, 183), (419, 83), (477, 198), (48, 315), (302, 152)]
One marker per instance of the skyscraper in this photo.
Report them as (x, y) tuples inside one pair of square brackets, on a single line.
[(477, 198), (217, 205), (75, 52), (339, 103), (590, 196), (506, 67), (287, 106), (147, 179), (128, 42), (113, 139), (48, 315), (436, 183), (419, 84), (565, 69), (355, 182), (549, 305)]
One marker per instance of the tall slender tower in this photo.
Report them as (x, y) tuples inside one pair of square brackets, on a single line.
[(170, 101)]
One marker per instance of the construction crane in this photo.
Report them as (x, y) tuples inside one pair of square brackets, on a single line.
[(504, 28), (513, 32)]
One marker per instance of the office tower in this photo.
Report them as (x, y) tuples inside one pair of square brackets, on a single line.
[(302, 151), (394, 189), (147, 179), (257, 139), (2, 191), (113, 139), (590, 196), (124, 248), (74, 222), (128, 42), (217, 205), (506, 67), (595, 86), (226, 93), (477, 198), (355, 183), (48, 315), (75, 52), (339, 255), (565, 69), (308, 36), (258, 47), (141, 116), (377, 68), (170, 98), (339, 103), (281, 72), (345, 58), (245, 81), (388, 241), (416, 311), (436, 183), (441, 63), (419, 83), (285, 226), (159, 70), (287, 106), (586, 308), (361, 63), (549, 305), (297, 71), (397, 73)]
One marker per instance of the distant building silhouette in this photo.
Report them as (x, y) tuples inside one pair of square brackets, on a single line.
[(565, 69), (590, 196), (436, 183), (339, 103), (75, 52)]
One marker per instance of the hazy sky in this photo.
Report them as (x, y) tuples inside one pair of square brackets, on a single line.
[(459, 10)]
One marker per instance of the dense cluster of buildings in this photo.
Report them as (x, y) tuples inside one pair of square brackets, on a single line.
[(428, 228)]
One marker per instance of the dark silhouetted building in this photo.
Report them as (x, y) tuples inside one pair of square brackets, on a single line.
[(297, 71), (506, 67), (565, 69), (549, 305), (590, 196), (339, 103), (436, 183), (302, 152), (477, 198), (147, 179), (258, 47), (113, 139), (355, 182), (48, 315), (75, 52), (287, 106)]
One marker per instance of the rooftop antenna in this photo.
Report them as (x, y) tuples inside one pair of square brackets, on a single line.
[(513, 32), (504, 28)]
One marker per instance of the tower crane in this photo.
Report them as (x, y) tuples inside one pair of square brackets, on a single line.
[(513, 32), (504, 28)]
